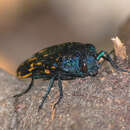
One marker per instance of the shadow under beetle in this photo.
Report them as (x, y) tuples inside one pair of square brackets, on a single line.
[(63, 62)]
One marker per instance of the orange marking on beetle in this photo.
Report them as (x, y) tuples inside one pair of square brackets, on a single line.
[(39, 63), (47, 71), (53, 67), (31, 65), (31, 69), (45, 55), (57, 59), (25, 76)]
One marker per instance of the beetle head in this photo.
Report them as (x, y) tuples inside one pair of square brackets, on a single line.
[(90, 65)]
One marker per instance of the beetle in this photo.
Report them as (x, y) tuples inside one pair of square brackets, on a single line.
[(63, 62)]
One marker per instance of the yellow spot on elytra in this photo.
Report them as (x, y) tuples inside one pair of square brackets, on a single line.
[(47, 71), (45, 55), (31, 69), (57, 59), (53, 67), (39, 63), (31, 65), (31, 59), (25, 76)]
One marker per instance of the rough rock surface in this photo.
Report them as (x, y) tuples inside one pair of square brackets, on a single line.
[(91, 103), (7, 110)]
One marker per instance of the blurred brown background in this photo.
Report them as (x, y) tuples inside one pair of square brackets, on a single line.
[(28, 26)]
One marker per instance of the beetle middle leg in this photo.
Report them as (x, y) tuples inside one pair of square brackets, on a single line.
[(29, 87), (60, 90), (48, 91)]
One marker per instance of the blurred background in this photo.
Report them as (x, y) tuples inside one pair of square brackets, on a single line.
[(28, 26)]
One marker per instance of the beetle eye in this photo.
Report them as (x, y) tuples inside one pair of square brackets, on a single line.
[(84, 68)]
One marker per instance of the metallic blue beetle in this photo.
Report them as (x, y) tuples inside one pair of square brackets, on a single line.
[(63, 62)]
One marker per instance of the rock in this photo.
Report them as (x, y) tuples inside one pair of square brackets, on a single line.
[(7, 111), (91, 103)]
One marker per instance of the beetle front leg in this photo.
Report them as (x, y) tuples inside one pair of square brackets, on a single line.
[(107, 57)]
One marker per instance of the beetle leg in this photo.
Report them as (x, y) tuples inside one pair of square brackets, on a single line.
[(107, 57), (48, 91), (29, 87), (60, 90)]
